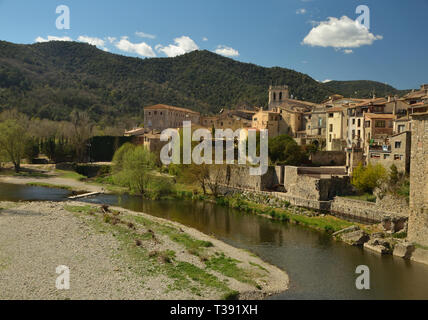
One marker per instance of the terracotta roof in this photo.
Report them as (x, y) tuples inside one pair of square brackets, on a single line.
[(416, 94), (368, 102), (167, 107), (335, 109)]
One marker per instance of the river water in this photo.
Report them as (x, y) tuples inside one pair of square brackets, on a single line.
[(319, 267)]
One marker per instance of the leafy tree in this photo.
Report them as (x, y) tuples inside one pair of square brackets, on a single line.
[(197, 173), (134, 170), (366, 179), (81, 132), (13, 142), (284, 150)]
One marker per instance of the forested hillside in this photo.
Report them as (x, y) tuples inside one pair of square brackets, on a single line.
[(49, 80)]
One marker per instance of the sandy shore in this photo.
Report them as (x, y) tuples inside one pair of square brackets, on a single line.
[(121, 254), (55, 181)]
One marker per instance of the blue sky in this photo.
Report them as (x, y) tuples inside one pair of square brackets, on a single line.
[(309, 36)]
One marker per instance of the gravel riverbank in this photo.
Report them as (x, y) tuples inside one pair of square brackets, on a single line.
[(119, 254)]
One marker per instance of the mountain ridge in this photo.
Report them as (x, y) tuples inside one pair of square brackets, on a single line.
[(48, 80)]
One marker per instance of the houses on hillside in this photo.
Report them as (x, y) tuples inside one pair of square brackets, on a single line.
[(375, 130)]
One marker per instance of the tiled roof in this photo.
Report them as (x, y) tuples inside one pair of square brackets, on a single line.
[(335, 109), (167, 107)]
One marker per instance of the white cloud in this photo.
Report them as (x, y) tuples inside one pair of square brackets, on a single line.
[(227, 51), (99, 43), (204, 39), (348, 51), (340, 33), (53, 38), (182, 45), (142, 49), (111, 39), (327, 80), (301, 11), (145, 35)]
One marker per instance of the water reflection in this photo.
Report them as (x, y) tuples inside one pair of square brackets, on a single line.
[(319, 268)]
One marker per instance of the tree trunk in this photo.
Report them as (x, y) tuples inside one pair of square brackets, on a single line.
[(17, 167)]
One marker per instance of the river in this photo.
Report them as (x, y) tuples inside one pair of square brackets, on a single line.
[(318, 266)]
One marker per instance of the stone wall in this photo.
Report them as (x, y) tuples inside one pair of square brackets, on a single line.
[(418, 221), (328, 158), (361, 210), (239, 177)]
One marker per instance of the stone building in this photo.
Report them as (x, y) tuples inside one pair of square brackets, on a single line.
[(396, 150), (418, 221), (267, 120), (229, 119), (161, 117), (377, 128), (277, 95), (336, 128)]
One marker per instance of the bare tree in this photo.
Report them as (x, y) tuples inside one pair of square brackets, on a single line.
[(81, 132)]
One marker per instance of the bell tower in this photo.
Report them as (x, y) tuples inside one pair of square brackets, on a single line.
[(277, 94)]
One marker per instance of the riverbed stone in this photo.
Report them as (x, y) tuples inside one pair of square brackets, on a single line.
[(420, 255), (404, 250), (355, 238), (346, 230), (378, 245)]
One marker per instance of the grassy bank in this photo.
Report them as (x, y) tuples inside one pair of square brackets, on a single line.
[(49, 185), (324, 223), (154, 249)]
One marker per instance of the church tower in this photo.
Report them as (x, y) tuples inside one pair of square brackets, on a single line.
[(277, 94)]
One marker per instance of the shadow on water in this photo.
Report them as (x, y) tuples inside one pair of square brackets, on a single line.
[(319, 268)]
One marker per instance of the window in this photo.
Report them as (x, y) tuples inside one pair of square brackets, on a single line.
[(330, 115), (397, 144), (380, 124), (375, 156), (280, 96), (156, 112), (353, 133), (353, 121), (386, 156), (359, 122), (274, 96), (401, 128), (331, 128), (150, 113), (359, 133), (329, 138), (398, 157)]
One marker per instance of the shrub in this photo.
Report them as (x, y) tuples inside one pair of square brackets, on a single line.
[(366, 179)]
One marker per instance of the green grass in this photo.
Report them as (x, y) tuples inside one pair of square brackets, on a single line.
[(70, 175), (229, 267), (326, 223), (48, 185), (184, 275), (419, 246), (363, 197), (23, 173)]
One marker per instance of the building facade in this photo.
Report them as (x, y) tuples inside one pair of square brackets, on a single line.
[(161, 117)]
